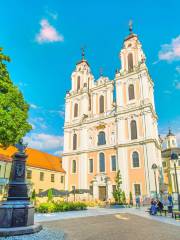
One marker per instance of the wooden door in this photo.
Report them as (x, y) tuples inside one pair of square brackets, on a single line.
[(102, 193)]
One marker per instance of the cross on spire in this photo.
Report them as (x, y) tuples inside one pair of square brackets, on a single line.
[(83, 53), (130, 26)]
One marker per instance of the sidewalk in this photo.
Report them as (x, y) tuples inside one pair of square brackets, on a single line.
[(103, 211)]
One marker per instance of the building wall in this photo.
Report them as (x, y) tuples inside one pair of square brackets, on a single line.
[(37, 184)]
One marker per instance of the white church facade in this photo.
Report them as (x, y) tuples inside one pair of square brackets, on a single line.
[(104, 134)]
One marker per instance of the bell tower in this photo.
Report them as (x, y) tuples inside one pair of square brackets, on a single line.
[(171, 141), (131, 54), (137, 120)]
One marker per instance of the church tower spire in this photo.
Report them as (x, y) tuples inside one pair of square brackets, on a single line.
[(131, 55)]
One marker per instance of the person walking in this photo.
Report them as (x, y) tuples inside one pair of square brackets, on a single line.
[(137, 202)]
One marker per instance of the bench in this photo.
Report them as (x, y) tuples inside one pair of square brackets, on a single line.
[(175, 214), (163, 211)]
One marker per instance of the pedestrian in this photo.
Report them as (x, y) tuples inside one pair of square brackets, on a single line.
[(137, 202), (160, 206)]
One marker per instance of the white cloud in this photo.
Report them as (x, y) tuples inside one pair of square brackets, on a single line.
[(45, 142), (22, 84), (38, 122), (171, 51), (33, 106), (58, 153), (48, 33)]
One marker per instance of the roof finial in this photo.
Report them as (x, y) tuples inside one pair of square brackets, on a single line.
[(130, 26), (83, 53)]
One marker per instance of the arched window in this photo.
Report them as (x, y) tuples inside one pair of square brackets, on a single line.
[(74, 141), (78, 83), (101, 162), (101, 104), (130, 62), (131, 92), (133, 130), (101, 138), (75, 110), (135, 159), (74, 166)]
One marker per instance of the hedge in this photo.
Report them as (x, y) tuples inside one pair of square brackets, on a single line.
[(51, 207)]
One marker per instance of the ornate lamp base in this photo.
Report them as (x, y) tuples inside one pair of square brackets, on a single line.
[(17, 218)]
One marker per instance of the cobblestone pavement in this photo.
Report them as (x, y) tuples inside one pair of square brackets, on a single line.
[(120, 226)]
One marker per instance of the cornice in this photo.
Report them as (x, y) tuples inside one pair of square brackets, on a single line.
[(115, 147)]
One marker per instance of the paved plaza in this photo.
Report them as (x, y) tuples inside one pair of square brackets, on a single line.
[(115, 227), (104, 223)]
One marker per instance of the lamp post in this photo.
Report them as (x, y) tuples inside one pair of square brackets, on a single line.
[(174, 157), (154, 168)]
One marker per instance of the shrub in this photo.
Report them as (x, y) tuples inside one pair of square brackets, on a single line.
[(51, 207), (50, 195), (46, 208)]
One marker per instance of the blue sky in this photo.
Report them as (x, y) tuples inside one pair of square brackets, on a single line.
[(44, 38)]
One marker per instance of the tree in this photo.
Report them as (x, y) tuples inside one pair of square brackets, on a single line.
[(33, 196), (13, 108), (50, 195), (123, 197), (117, 194), (130, 199)]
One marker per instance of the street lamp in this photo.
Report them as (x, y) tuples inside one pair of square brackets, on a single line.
[(154, 168), (174, 157)]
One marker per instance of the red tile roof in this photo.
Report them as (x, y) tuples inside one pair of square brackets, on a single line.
[(35, 159)]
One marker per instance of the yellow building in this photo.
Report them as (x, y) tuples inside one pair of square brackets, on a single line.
[(168, 165), (44, 171)]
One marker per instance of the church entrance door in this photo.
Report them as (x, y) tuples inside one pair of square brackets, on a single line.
[(102, 193)]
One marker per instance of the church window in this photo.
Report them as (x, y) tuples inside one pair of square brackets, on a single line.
[(130, 62), (78, 83), (75, 110), (135, 159), (133, 130), (101, 138), (74, 141), (101, 104), (113, 163), (101, 162), (74, 166), (131, 92), (90, 165)]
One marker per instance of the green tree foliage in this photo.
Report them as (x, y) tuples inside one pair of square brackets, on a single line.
[(33, 195), (123, 197), (130, 198), (50, 195), (13, 108), (117, 194)]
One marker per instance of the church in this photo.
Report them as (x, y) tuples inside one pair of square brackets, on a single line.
[(111, 125)]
